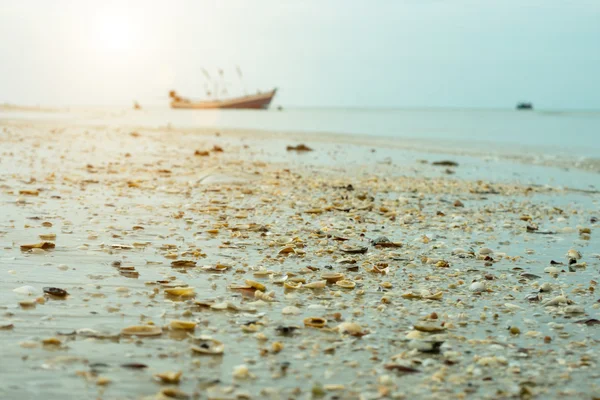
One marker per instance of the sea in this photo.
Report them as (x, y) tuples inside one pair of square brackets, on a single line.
[(565, 143)]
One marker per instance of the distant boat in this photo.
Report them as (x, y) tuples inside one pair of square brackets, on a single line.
[(253, 101), (524, 106)]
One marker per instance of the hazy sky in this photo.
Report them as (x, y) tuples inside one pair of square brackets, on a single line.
[(446, 53)]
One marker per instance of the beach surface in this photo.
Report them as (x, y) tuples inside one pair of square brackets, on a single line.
[(212, 263)]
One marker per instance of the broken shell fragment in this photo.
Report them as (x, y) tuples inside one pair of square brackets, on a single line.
[(315, 322), (292, 285), (142, 330), (183, 264), (56, 292), (41, 245), (477, 287), (346, 284), (429, 327), (208, 346), (316, 285), (350, 328), (424, 295), (255, 285), (573, 254), (354, 249), (332, 277), (180, 291), (26, 290), (183, 325), (169, 377)]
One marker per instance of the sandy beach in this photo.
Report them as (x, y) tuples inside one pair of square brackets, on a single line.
[(219, 264)]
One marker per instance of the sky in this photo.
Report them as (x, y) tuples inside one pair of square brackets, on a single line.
[(319, 53)]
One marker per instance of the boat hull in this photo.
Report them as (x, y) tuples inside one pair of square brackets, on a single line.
[(259, 101)]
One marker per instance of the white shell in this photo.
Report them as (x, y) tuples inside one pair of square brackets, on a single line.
[(477, 287), (27, 290)]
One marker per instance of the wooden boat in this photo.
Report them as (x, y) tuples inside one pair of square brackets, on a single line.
[(253, 101)]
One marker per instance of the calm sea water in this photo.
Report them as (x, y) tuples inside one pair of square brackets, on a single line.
[(548, 132)]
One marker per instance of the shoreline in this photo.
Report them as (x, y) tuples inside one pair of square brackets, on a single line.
[(482, 150), (353, 272)]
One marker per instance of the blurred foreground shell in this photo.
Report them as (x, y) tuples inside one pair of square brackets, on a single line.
[(255, 285), (208, 346), (292, 285), (142, 330), (350, 328)]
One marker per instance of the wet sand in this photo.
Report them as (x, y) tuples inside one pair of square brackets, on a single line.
[(485, 288)]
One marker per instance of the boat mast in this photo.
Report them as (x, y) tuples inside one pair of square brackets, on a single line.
[(207, 76), (239, 72)]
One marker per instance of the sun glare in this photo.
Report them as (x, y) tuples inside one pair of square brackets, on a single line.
[(114, 33)]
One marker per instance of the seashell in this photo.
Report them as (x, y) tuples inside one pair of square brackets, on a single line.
[(255, 285), (442, 264), (290, 310), (346, 284), (242, 372), (350, 328), (208, 346), (332, 277), (263, 296), (425, 346), (287, 250), (216, 268), (297, 279), (280, 281), (27, 290), (545, 287), (28, 303), (262, 272), (315, 322), (180, 291), (385, 242), (573, 254), (169, 377), (552, 270), (87, 332), (48, 236), (485, 251), (292, 285), (41, 245), (316, 285), (51, 342), (142, 330), (423, 296), (55, 292), (477, 287), (183, 264), (429, 327), (574, 310), (354, 249), (172, 393), (182, 325), (558, 300), (286, 330)]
